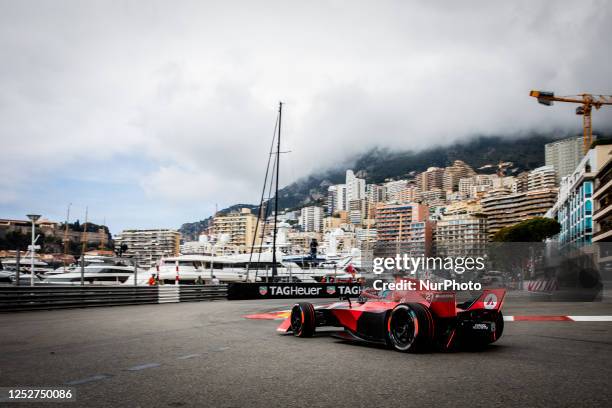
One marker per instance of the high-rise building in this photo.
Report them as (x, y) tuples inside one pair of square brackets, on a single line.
[(454, 173), (433, 197), (542, 177), (564, 155), (461, 235), (410, 194), (574, 208), (336, 199), (355, 187), (521, 182), (504, 208), (477, 185), (332, 196), (432, 178), (375, 193), (602, 216), (149, 245), (392, 188), (358, 211), (238, 228), (403, 228), (311, 219)]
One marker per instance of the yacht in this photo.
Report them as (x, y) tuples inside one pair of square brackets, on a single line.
[(237, 268), (25, 265), (97, 270), (92, 274)]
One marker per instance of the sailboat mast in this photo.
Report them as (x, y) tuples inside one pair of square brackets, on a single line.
[(280, 117)]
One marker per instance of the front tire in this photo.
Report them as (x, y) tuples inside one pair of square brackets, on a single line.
[(409, 328), (303, 322)]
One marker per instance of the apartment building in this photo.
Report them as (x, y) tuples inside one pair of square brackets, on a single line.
[(392, 188), (336, 198), (602, 197), (433, 197), (461, 235), (504, 208), (542, 177), (430, 179), (577, 209), (403, 228), (358, 210), (148, 246), (355, 187), (237, 228), (376, 193), (409, 194), (452, 174), (564, 155), (311, 219)]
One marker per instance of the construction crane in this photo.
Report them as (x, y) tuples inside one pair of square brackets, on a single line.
[(587, 103)]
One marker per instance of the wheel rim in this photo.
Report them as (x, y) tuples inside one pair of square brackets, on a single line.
[(402, 327), (296, 320)]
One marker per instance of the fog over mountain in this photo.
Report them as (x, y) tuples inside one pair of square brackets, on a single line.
[(154, 112)]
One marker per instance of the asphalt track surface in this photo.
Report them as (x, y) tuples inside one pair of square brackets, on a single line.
[(208, 355)]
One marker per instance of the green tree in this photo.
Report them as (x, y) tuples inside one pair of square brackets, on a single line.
[(535, 229)]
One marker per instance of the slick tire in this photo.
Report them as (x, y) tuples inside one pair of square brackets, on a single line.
[(409, 328), (303, 322)]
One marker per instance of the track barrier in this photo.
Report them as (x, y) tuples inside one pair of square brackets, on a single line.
[(63, 297)]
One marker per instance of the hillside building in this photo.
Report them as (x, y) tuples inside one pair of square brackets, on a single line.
[(148, 246), (504, 208), (564, 155)]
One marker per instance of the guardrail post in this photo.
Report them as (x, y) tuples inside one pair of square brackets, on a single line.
[(82, 269), (18, 265)]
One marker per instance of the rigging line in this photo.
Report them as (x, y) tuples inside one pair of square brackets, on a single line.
[(263, 191), (267, 210), (275, 232)]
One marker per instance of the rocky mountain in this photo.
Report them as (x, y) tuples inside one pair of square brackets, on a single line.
[(377, 165)]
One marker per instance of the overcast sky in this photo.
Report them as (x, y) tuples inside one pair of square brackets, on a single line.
[(152, 112)]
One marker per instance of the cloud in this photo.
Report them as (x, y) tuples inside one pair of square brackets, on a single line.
[(191, 88)]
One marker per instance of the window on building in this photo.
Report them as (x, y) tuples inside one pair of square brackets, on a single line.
[(588, 207), (588, 188)]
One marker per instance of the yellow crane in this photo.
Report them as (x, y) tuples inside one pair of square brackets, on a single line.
[(587, 103)]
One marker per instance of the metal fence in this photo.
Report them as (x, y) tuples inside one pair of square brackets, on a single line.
[(62, 297)]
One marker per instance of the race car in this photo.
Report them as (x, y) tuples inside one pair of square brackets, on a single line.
[(407, 321)]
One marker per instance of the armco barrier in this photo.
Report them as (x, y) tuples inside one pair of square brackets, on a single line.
[(62, 297), (237, 291)]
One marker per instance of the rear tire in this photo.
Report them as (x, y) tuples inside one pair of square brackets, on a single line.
[(499, 327), (409, 328), (303, 322)]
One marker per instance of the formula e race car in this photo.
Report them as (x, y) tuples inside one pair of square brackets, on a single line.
[(406, 321)]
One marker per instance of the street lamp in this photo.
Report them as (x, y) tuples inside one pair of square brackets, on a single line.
[(33, 218)]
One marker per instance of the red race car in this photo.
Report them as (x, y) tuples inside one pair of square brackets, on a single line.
[(406, 320)]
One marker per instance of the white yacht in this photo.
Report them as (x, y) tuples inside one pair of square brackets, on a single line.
[(101, 270), (92, 274), (236, 268)]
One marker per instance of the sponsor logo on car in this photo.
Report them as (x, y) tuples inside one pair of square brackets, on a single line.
[(490, 301)]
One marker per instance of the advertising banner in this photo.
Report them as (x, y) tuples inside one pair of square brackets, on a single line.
[(263, 290)]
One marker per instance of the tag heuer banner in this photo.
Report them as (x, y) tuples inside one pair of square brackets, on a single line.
[(262, 290)]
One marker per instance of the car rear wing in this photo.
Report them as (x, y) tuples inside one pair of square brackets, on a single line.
[(489, 299)]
